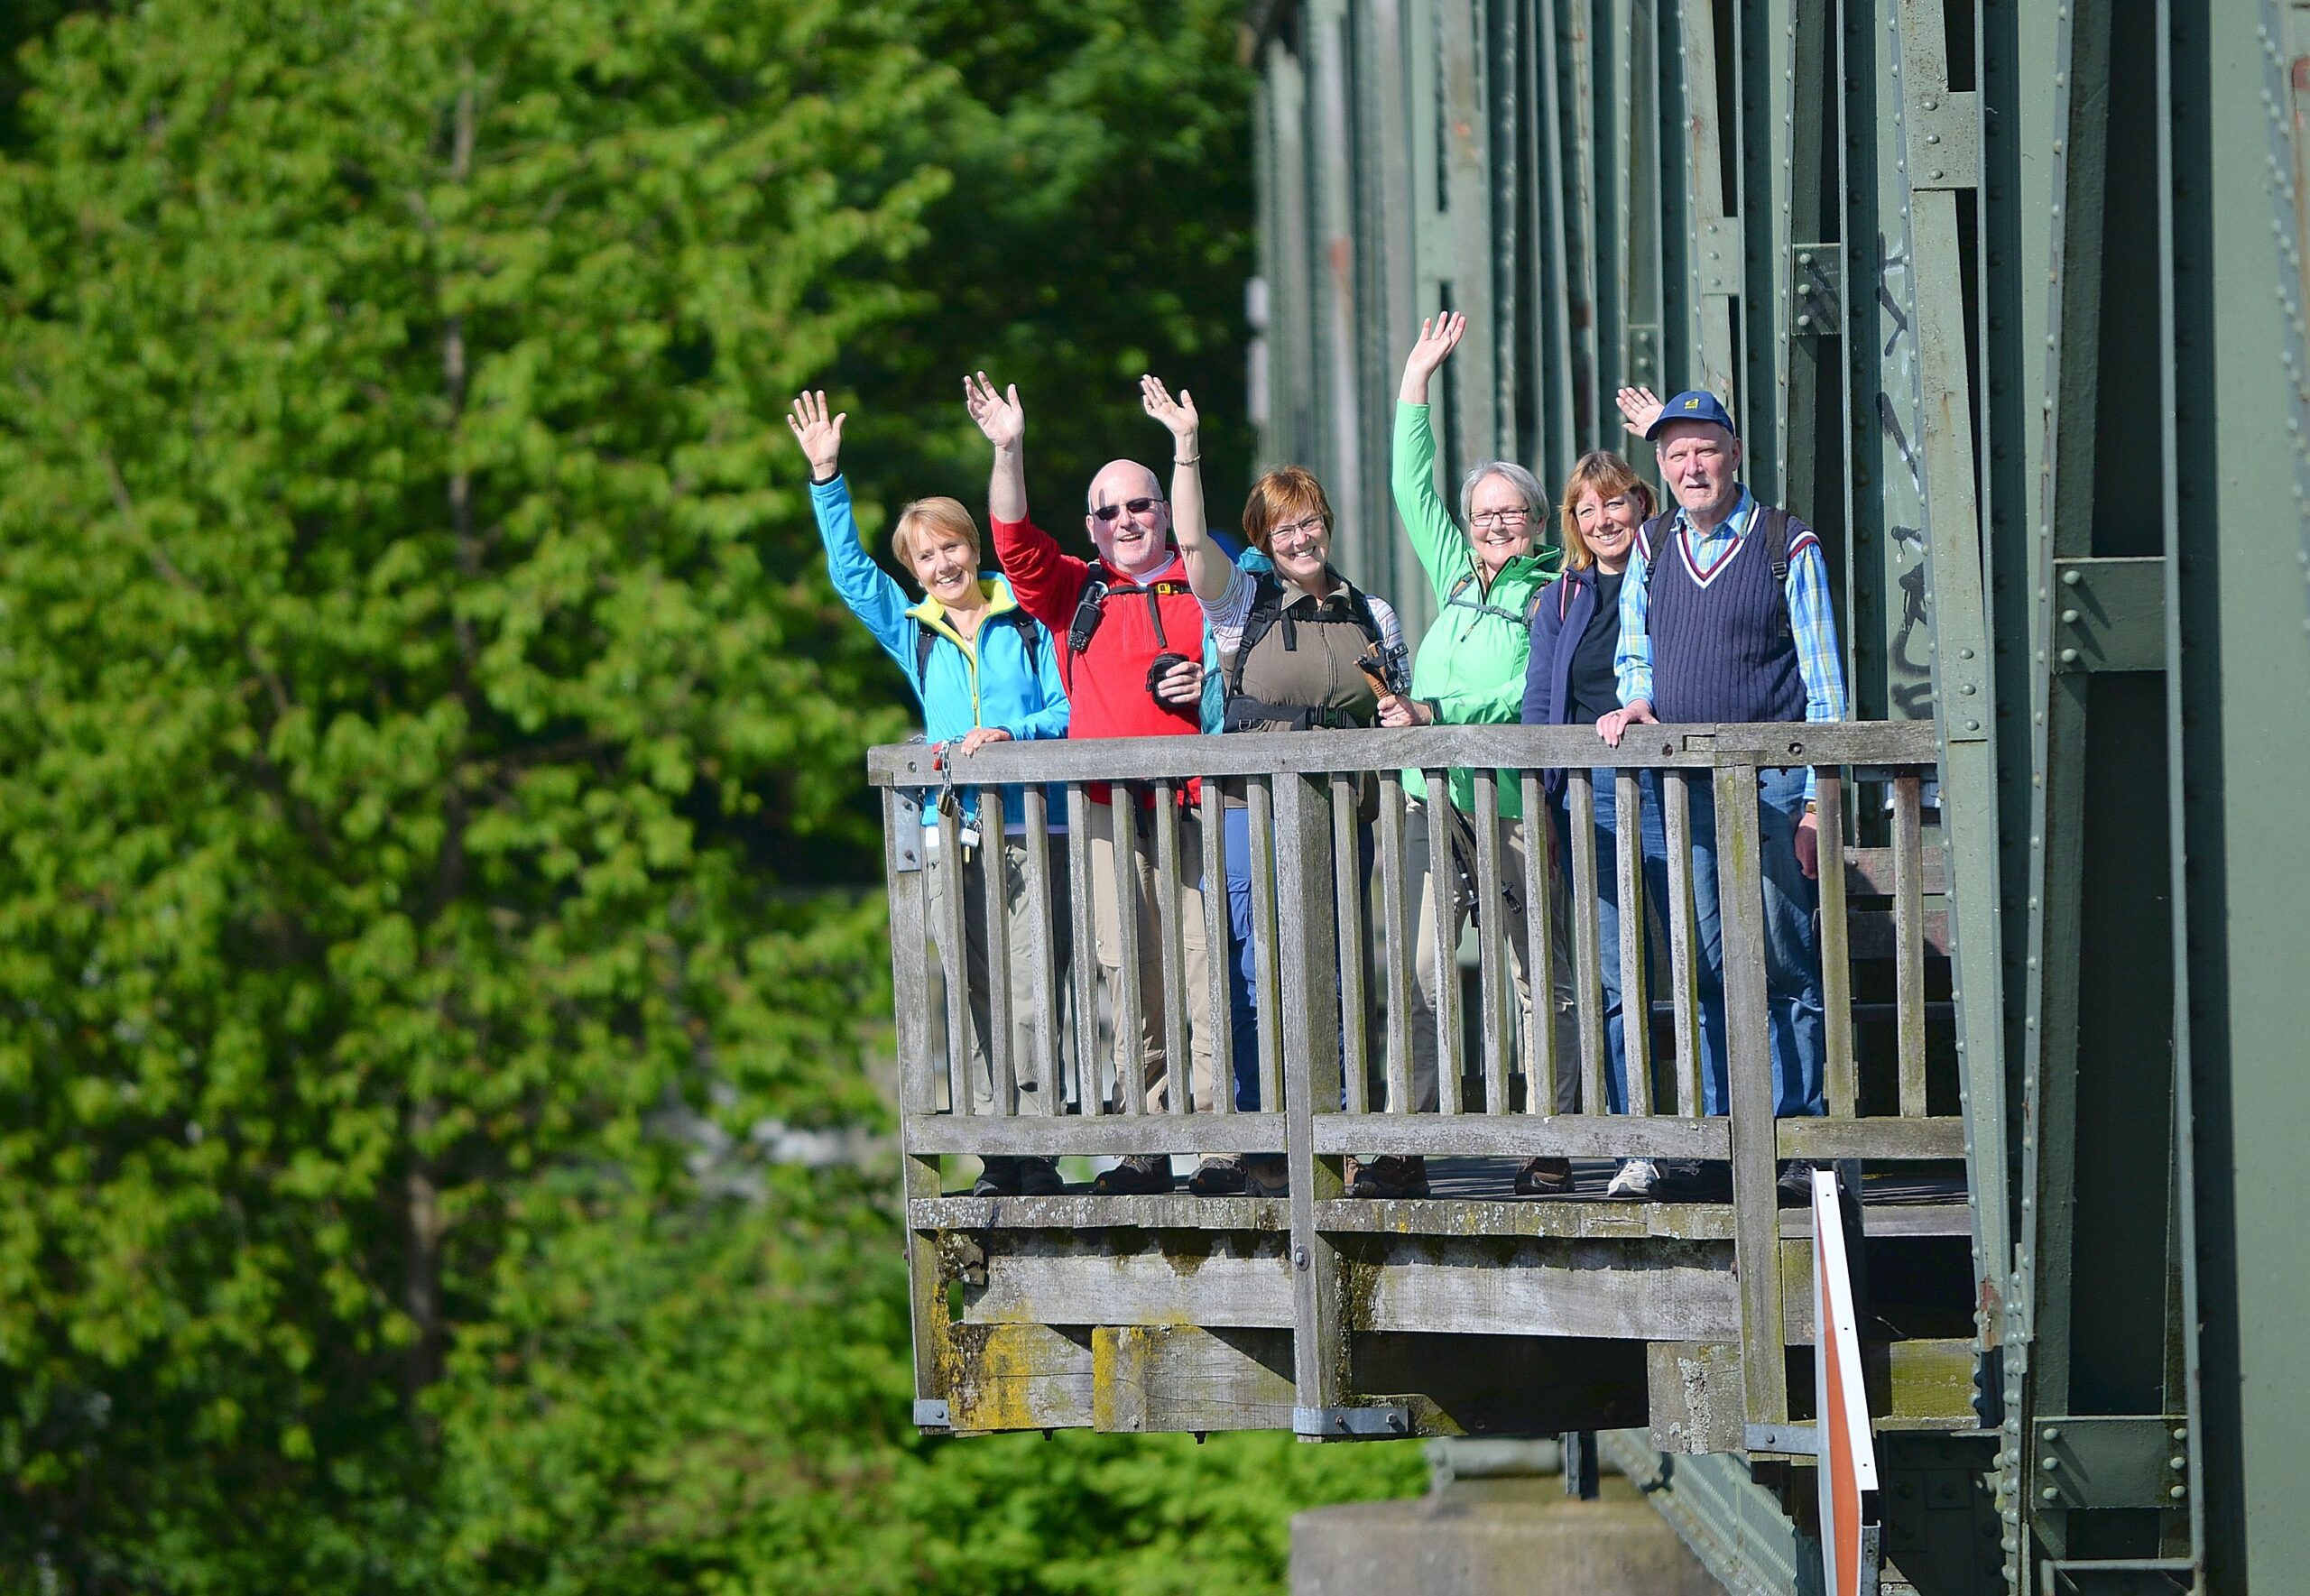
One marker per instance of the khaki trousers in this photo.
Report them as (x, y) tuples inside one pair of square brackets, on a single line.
[(1418, 849), (1036, 1095), (1108, 927)]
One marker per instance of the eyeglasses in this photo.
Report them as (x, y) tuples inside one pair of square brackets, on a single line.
[(1311, 526), (1502, 518), (1136, 506)]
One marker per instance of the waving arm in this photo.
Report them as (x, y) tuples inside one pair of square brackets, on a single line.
[(1003, 420), (1209, 570)]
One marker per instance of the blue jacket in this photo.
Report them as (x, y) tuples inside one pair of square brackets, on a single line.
[(1009, 680), (1558, 622)]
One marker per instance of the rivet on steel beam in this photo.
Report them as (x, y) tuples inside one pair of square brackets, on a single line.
[(2070, 578), (2050, 1494), (2049, 1463), (2181, 1435), (2177, 1462), (2069, 617), (2177, 1494)]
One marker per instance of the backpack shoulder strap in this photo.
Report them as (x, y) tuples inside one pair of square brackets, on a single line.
[(1018, 620), (1267, 603), (1776, 530)]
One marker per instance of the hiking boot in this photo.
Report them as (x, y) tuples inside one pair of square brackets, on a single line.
[(1266, 1174), (1038, 1177), (1693, 1180), (997, 1178), (1635, 1179), (1137, 1176), (1794, 1189), (1545, 1177), (1390, 1176), (1218, 1176)]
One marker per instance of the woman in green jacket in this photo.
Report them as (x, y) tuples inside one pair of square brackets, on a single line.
[(1470, 670)]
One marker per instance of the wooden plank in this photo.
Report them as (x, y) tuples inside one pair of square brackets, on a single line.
[(1871, 743), (1696, 1397), (1177, 1210), (1215, 1279), (1684, 1291), (1491, 942), (1540, 865), (1636, 1007), (1264, 980), (1443, 894), (1131, 1059), (1308, 958), (1111, 1137), (1395, 909), (1179, 1093), (996, 861), (1908, 942), (1836, 957), (1586, 960), (1347, 895), (1041, 1072), (1869, 871), (954, 962), (918, 1085), (1887, 1139), (1740, 896), (1151, 1379), (1908, 1220), (1218, 955), (1684, 940), (1090, 1089), (1525, 1136), (1509, 1218), (1016, 1377)]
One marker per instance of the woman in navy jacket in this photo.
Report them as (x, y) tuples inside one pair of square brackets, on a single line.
[(1569, 681)]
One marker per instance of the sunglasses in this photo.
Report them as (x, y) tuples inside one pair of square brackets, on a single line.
[(1136, 506)]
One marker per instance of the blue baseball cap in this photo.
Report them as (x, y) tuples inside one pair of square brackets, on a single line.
[(1694, 404)]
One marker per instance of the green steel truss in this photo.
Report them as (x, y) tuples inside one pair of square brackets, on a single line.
[(2009, 301)]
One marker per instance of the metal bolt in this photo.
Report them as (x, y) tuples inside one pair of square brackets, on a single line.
[(2050, 1494), (2071, 577), (2177, 1494), (1299, 1258), (2049, 1464), (2052, 1433), (2181, 1435), (2069, 656), (2069, 617), (2177, 1463)]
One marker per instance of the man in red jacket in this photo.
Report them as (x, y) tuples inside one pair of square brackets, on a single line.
[(1130, 637)]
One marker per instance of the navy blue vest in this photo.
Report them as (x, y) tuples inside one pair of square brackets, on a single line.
[(1723, 652)]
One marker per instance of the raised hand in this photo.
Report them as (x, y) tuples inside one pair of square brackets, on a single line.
[(821, 438), (999, 415), (1640, 408), (1438, 336), (1177, 414)]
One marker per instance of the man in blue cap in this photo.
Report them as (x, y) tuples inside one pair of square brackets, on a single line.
[(1725, 617)]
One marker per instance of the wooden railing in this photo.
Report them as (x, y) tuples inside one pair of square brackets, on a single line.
[(1331, 1081)]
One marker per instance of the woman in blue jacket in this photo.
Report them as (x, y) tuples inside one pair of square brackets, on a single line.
[(984, 671), (1569, 681)]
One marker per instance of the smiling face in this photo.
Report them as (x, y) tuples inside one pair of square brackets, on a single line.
[(1500, 524), (1129, 540), (946, 566), (1608, 523), (1701, 463), (1289, 519)]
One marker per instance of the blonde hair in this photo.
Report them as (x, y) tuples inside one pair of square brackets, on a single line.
[(941, 514), (1611, 478), (1279, 497)]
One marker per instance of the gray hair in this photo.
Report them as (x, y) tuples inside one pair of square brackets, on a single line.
[(1536, 499)]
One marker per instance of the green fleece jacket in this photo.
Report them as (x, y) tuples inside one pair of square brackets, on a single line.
[(1471, 663)]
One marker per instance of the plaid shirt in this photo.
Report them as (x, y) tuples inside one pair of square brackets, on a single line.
[(1811, 622)]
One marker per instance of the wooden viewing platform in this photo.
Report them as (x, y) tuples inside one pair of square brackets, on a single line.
[(1471, 1310)]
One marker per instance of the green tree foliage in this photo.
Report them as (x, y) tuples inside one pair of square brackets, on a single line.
[(420, 702)]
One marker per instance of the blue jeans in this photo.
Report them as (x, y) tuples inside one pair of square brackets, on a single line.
[(1243, 954), (1792, 948), (1653, 837)]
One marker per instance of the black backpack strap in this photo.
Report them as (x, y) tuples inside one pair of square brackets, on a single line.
[(1776, 547), (926, 639), (1267, 603), (1088, 609), (1648, 540)]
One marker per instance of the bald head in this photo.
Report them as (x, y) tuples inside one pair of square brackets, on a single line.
[(1129, 540)]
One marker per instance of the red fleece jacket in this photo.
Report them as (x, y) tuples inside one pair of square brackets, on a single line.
[(1106, 684)]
